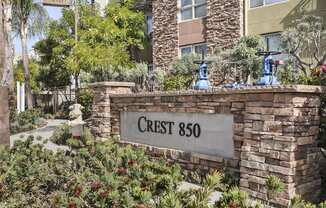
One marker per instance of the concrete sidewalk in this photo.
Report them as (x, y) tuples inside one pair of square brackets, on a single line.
[(44, 132)]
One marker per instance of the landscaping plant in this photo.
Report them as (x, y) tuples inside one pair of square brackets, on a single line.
[(99, 175), (85, 98), (26, 121)]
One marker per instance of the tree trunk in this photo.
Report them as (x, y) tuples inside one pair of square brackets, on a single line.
[(8, 75), (28, 90), (2, 42)]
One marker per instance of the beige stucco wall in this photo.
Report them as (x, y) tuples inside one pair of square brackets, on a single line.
[(276, 17)]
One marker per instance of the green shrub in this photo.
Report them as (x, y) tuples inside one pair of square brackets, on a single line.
[(274, 187), (85, 98), (63, 112), (101, 175), (235, 198), (61, 135), (178, 82), (26, 121)]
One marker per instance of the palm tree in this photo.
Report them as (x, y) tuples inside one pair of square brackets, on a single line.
[(6, 47), (29, 20)]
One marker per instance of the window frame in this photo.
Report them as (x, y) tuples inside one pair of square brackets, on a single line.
[(283, 56), (267, 36), (147, 26), (193, 6), (193, 46), (266, 5)]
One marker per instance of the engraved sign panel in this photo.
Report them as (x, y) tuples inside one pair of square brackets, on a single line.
[(210, 134), (59, 3)]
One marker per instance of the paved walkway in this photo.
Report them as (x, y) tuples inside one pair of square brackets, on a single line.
[(44, 132)]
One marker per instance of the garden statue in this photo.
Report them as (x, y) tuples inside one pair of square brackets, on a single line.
[(76, 120), (269, 68), (203, 82)]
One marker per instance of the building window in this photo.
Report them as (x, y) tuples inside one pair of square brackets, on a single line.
[(197, 49), (149, 24), (259, 3), (191, 9), (273, 42)]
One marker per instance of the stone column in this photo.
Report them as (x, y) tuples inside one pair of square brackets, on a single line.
[(4, 117), (165, 33), (224, 23), (100, 120), (280, 135)]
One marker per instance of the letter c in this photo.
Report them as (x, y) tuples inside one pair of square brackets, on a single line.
[(139, 127)]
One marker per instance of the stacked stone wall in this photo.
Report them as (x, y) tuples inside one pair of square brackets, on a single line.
[(4, 117), (275, 132), (224, 23), (165, 33)]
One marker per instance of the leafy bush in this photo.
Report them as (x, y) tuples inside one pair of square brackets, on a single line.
[(63, 136), (182, 73), (63, 112), (274, 187), (26, 121), (235, 198), (101, 175), (178, 82), (85, 98), (104, 174), (298, 202)]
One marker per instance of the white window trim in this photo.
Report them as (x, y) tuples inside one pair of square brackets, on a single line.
[(193, 5), (265, 5), (192, 48)]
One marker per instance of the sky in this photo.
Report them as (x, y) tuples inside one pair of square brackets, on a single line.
[(54, 13)]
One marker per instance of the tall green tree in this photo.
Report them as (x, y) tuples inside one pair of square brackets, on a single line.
[(104, 41), (305, 43), (29, 19)]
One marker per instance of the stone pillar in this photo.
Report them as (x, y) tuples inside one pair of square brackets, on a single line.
[(224, 23), (4, 117), (100, 120), (280, 135), (165, 32)]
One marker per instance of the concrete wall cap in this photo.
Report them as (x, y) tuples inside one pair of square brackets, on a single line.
[(246, 90), (112, 84)]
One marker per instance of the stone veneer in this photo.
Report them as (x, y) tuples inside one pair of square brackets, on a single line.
[(4, 117), (223, 27), (224, 23), (165, 32), (275, 131), (100, 119)]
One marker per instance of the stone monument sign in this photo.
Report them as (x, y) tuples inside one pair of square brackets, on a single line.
[(210, 134)]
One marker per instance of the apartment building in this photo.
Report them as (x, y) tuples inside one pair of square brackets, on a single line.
[(179, 27), (269, 18)]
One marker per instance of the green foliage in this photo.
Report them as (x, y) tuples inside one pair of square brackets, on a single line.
[(274, 187), (103, 42), (26, 121), (182, 73), (85, 98), (298, 202), (235, 198), (178, 82), (304, 43), (240, 61), (61, 135), (100, 175), (34, 69)]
